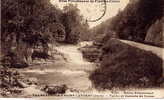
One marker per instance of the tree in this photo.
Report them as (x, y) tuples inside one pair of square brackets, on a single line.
[(71, 19), (24, 23), (133, 22)]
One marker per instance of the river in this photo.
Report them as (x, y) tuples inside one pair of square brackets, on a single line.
[(74, 72)]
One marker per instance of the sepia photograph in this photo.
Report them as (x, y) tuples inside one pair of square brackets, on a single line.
[(82, 49)]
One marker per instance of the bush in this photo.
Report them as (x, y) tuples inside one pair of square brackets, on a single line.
[(91, 53), (123, 66), (13, 61), (41, 55)]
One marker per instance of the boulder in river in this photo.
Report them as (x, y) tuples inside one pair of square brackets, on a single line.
[(54, 89)]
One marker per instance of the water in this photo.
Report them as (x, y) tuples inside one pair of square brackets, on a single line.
[(74, 73), (73, 54)]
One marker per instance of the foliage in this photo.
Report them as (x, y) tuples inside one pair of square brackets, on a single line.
[(72, 21), (133, 22), (136, 18), (21, 24), (12, 60), (85, 34), (28, 24), (91, 53)]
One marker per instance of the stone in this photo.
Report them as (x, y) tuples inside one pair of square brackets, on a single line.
[(54, 89)]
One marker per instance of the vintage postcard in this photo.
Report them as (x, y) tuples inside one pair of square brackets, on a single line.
[(82, 49)]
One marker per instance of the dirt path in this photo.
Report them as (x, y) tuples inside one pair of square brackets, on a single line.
[(156, 50)]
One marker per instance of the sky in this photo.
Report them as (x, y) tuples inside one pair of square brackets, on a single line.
[(94, 10)]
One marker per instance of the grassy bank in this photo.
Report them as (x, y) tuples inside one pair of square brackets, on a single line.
[(127, 66)]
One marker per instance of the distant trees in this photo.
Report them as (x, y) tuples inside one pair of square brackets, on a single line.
[(56, 32), (71, 19), (85, 34)]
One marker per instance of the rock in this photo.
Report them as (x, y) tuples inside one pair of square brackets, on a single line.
[(21, 84), (32, 81), (53, 89), (32, 90), (16, 90), (19, 64), (155, 34)]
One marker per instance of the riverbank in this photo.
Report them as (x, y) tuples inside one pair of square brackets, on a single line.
[(72, 71)]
